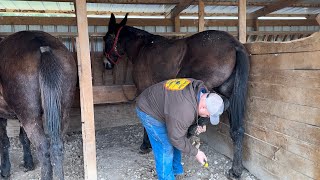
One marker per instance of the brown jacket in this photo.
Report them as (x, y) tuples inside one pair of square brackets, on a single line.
[(174, 102)]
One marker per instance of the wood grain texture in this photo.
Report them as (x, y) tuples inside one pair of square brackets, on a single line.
[(311, 43)]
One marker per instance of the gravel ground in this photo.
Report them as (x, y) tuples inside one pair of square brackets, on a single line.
[(118, 159)]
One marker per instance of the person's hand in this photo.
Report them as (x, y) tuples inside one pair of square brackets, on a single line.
[(201, 157), (201, 129)]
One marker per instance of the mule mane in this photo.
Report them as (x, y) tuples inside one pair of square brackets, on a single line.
[(142, 34)]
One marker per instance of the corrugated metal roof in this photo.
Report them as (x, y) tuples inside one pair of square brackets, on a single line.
[(65, 8)]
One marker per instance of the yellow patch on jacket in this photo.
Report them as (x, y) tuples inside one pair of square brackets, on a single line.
[(176, 84)]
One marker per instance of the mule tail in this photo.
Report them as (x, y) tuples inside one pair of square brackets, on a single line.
[(239, 92), (50, 82), (237, 108)]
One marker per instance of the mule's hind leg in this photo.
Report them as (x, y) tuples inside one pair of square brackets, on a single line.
[(35, 132), (146, 145), (236, 129), (4, 144), (56, 152), (237, 137), (27, 156)]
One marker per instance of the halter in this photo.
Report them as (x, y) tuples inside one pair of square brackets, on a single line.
[(114, 48)]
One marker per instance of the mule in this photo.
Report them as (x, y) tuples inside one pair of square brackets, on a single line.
[(215, 57), (37, 83)]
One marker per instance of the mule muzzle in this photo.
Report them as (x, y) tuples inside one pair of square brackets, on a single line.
[(107, 63)]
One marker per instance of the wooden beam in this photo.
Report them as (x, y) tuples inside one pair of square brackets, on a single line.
[(272, 8), (108, 13), (121, 1), (318, 18), (207, 2), (177, 24), (235, 3), (113, 94), (86, 93), (179, 8), (201, 16), (71, 21), (242, 28)]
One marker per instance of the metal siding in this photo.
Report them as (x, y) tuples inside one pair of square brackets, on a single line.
[(5, 28), (150, 28), (34, 27), (17, 28), (183, 29), (49, 28), (61, 28), (170, 29), (192, 29), (161, 29)]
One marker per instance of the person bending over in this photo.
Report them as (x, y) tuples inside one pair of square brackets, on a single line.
[(166, 110)]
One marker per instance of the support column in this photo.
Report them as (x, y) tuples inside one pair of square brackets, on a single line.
[(242, 18), (201, 15), (177, 24), (86, 95)]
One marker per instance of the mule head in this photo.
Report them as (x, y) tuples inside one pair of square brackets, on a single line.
[(112, 48)]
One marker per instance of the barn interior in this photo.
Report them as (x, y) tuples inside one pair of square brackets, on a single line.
[(282, 37)]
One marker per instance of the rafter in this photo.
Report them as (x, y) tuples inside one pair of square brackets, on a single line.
[(107, 13), (180, 7), (71, 21), (271, 8), (122, 1), (207, 2)]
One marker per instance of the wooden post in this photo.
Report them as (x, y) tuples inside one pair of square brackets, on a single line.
[(255, 24), (177, 24), (242, 18), (201, 16), (86, 95), (318, 18)]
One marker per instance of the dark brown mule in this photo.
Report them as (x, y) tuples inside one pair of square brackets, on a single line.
[(215, 57), (38, 79)]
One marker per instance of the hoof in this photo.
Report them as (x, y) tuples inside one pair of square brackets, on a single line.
[(145, 149), (28, 166), (5, 175), (232, 175)]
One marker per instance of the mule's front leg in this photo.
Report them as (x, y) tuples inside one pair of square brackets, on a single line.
[(4, 144), (36, 134), (236, 169), (145, 146), (27, 156)]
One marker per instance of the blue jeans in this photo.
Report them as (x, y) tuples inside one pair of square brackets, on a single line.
[(167, 157)]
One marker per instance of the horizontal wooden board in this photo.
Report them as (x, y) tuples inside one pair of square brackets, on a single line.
[(288, 78), (294, 73), (280, 155), (110, 94), (291, 144), (311, 43), (301, 131), (288, 111), (67, 21), (299, 96), (113, 94), (287, 61), (260, 165)]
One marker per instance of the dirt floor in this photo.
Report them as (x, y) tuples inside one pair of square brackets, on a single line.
[(118, 159)]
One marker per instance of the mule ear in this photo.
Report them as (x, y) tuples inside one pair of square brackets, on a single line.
[(112, 21), (124, 20)]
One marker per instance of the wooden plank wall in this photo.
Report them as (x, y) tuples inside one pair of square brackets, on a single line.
[(282, 121)]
